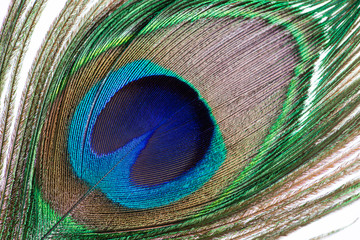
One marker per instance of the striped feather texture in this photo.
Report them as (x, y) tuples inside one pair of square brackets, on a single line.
[(178, 119)]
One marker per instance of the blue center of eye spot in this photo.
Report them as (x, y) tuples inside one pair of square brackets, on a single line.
[(144, 137), (169, 109)]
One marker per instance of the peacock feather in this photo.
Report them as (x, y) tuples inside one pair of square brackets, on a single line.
[(178, 119)]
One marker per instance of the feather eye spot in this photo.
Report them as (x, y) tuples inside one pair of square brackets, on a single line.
[(149, 132), (168, 109)]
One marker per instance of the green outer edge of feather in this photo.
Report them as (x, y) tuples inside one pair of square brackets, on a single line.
[(47, 211), (292, 27), (299, 36)]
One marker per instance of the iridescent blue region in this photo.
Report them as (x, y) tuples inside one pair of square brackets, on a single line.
[(171, 112), (149, 132)]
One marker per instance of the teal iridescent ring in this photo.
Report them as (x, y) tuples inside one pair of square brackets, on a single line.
[(138, 160)]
